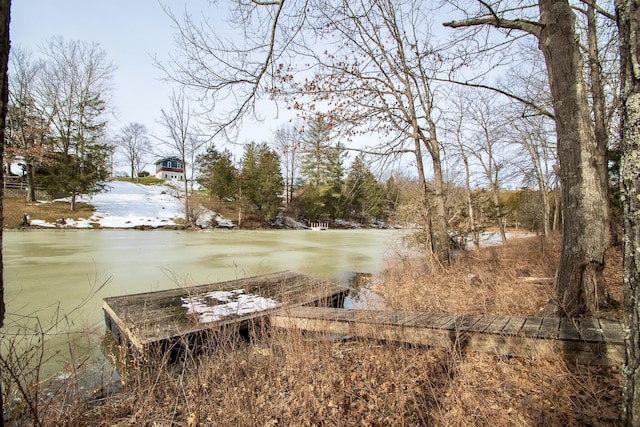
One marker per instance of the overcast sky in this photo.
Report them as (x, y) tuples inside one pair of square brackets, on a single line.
[(131, 33)]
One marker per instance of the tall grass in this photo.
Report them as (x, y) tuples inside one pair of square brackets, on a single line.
[(284, 378)]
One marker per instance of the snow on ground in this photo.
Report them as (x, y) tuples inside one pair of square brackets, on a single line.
[(129, 205)]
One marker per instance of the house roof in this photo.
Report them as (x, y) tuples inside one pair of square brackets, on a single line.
[(173, 158)]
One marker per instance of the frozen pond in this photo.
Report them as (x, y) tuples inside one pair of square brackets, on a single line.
[(51, 273)]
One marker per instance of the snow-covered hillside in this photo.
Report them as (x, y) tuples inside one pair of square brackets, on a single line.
[(129, 205)]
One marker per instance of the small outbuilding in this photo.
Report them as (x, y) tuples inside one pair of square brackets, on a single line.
[(170, 169)]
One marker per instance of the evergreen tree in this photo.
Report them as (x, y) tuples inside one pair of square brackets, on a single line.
[(217, 173), (322, 171), (363, 193), (74, 174), (262, 182)]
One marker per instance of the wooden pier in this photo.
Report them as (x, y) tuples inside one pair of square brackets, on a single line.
[(582, 341), (169, 317)]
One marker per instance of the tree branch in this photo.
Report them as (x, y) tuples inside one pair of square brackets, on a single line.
[(526, 102), (527, 26)]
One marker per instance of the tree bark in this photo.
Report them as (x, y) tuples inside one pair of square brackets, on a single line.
[(599, 107), (5, 13), (557, 213), (440, 242), (628, 13), (579, 280)]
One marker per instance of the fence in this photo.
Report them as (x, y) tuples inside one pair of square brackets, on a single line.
[(16, 187)]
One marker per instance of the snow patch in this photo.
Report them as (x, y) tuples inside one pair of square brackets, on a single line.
[(217, 305)]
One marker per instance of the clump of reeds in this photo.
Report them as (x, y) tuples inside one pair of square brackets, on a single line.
[(489, 281)]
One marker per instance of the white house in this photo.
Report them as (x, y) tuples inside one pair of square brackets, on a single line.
[(170, 168)]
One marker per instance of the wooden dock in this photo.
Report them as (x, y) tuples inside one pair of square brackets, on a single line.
[(173, 316), (582, 341)]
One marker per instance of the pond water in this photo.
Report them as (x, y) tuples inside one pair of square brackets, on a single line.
[(61, 276)]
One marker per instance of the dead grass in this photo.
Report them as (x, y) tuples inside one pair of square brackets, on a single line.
[(483, 282), (14, 208), (286, 378)]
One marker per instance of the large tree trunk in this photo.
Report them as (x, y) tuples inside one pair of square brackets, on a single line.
[(5, 11), (599, 108), (629, 24), (579, 281), (440, 226), (31, 187), (475, 236), (495, 193)]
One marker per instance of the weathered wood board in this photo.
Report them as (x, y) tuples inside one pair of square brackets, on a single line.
[(583, 341), (155, 317)]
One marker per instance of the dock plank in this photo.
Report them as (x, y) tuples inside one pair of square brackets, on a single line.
[(481, 324), (428, 320), (498, 324), (468, 321), (569, 329), (590, 330), (514, 336), (531, 326), (514, 326), (549, 328), (612, 330)]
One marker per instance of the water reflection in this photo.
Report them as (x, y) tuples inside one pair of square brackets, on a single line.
[(365, 299), (361, 297)]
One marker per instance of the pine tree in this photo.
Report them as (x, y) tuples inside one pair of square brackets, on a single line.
[(322, 171), (217, 173), (262, 182), (364, 195)]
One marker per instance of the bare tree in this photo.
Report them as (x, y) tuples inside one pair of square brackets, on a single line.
[(134, 144), (181, 137), (533, 135), (457, 133), (228, 75), (579, 286), (288, 143), (27, 139), (488, 144), (629, 24)]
